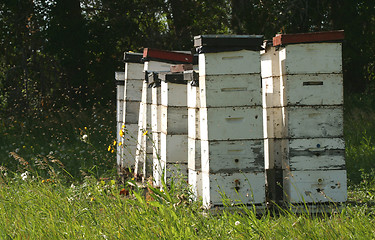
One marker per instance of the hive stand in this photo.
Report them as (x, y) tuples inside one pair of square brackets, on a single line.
[(232, 154), (303, 102), (148, 147), (128, 98)]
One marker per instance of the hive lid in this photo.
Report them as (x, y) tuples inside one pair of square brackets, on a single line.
[(172, 77), (166, 56), (331, 36), (133, 57)]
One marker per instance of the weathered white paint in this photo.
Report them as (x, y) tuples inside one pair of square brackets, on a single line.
[(315, 186), (230, 90), (133, 90), (134, 71), (311, 58), (193, 98), (235, 62), (131, 111), (246, 188), (194, 154), (174, 120), (230, 123), (173, 94), (195, 180), (176, 172), (155, 66), (193, 123), (270, 62), (232, 156), (310, 122), (174, 148)]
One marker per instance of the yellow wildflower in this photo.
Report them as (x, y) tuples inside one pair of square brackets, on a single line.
[(92, 199), (121, 133), (123, 126), (144, 134), (109, 148), (114, 143), (43, 181), (85, 128), (113, 150), (120, 143)]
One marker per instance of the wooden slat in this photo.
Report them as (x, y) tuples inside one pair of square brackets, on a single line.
[(283, 39), (167, 56)]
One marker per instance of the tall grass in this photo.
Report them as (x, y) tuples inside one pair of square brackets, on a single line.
[(51, 187)]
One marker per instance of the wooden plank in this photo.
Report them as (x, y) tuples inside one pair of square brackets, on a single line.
[(166, 56), (309, 122), (232, 156), (174, 120), (231, 123), (312, 89), (221, 41), (230, 90), (155, 66), (311, 58), (235, 62), (315, 186), (194, 123), (246, 188), (284, 39)]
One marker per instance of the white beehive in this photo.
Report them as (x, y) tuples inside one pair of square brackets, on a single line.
[(231, 125), (303, 107), (128, 99), (150, 113)]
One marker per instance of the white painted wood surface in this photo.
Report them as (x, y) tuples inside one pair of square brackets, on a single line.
[(193, 123), (311, 58), (231, 90), (270, 62), (315, 186), (174, 120), (193, 98), (174, 148), (195, 180), (232, 156), (173, 94), (230, 123), (134, 71), (235, 62), (155, 66), (194, 154), (131, 111), (246, 188)]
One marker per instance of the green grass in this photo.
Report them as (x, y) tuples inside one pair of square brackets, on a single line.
[(63, 197)]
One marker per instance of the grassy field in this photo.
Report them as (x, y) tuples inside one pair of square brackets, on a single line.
[(52, 187)]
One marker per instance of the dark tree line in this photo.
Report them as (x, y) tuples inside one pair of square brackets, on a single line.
[(64, 51)]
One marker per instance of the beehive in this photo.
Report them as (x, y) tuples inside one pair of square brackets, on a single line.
[(231, 115), (150, 111), (303, 105), (128, 98)]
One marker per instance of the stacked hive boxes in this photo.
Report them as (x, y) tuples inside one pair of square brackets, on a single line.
[(155, 61), (231, 119), (307, 117), (194, 140), (128, 99), (174, 125)]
